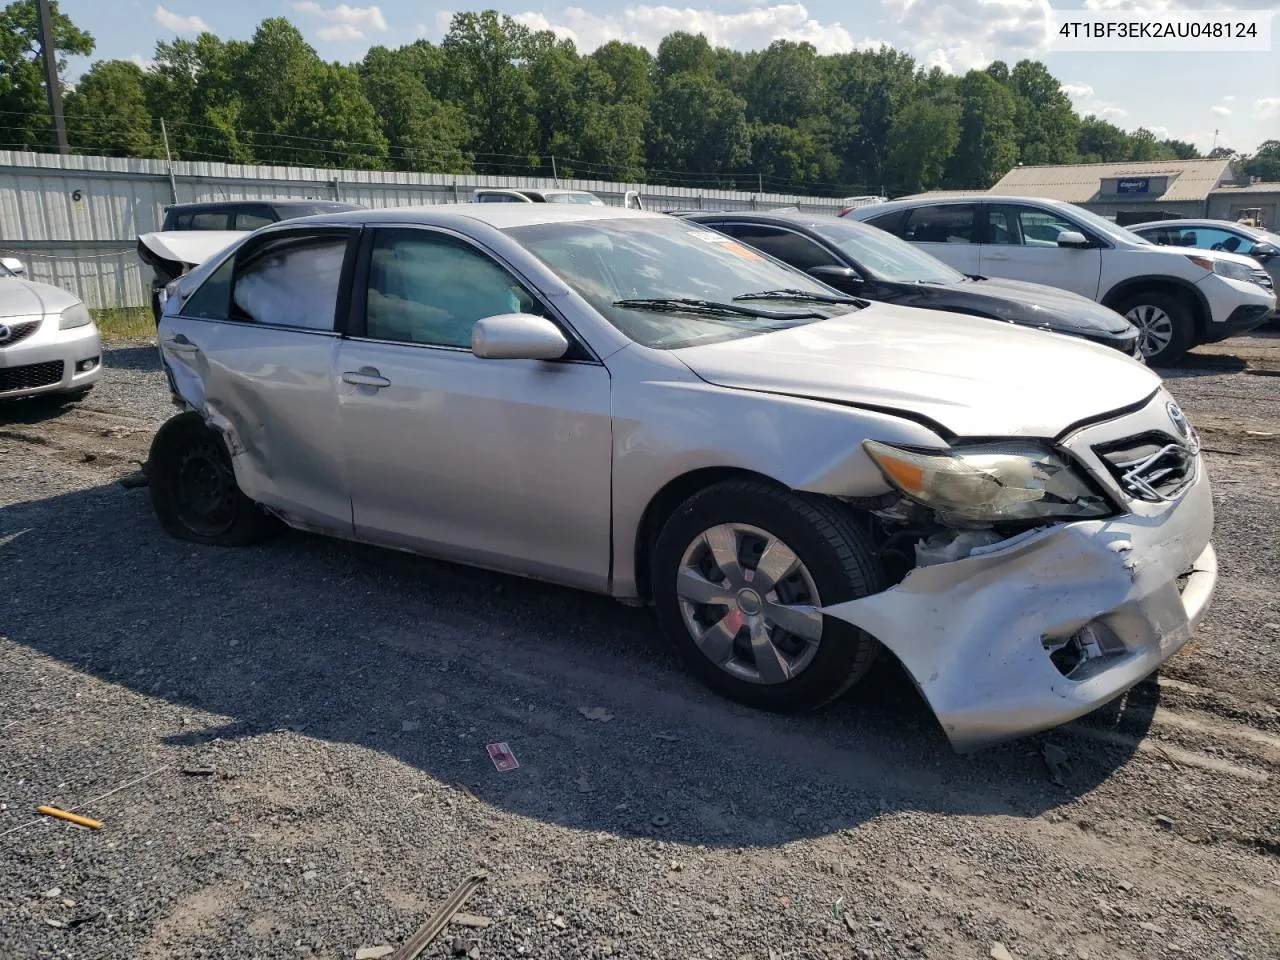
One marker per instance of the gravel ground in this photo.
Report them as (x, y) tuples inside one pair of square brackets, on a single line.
[(313, 716)]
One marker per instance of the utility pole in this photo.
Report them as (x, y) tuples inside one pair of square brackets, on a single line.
[(168, 159), (50, 57)]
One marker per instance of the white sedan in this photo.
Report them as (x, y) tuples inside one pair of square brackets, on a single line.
[(48, 340)]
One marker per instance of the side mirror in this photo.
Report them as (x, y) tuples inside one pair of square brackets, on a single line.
[(1263, 251), (1073, 240), (517, 336), (14, 266), (831, 274)]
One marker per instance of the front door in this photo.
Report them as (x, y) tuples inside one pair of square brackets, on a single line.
[(1021, 244), (499, 463)]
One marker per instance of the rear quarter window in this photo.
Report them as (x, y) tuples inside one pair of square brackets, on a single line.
[(889, 222)]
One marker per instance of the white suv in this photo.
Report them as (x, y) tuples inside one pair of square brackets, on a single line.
[(1176, 298)]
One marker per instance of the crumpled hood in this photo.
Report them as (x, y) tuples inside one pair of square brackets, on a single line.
[(974, 377), (23, 298), (190, 247), (1035, 303)]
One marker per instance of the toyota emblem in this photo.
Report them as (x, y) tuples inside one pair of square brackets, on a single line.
[(1179, 420), (5, 332)]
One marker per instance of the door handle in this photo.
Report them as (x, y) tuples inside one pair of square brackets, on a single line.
[(996, 256), (368, 377), (180, 344)]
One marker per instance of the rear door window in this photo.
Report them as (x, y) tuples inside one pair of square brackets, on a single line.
[(941, 223), (251, 218), (292, 280)]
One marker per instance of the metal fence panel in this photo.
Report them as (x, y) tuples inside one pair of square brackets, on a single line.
[(75, 220)]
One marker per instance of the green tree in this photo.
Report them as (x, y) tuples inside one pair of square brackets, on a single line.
[(681, 52), (1098, 141), (699, 125), (1264, 162), (1181, 149), (1143, 145), (629, 68), (785, 84), (922, 138), (869, 88), (107, 112), (24, 103), (1047, 125), (788, 156), (196, 86), (422, 133), (988, 144), (486, 56)]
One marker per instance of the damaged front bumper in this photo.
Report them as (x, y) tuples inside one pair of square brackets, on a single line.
[(1043, 628)]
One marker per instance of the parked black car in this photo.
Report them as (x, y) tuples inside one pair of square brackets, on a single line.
[(866, 262), (246, 214)]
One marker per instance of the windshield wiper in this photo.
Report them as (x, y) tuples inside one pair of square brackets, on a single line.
[(713, 307), (789, 293)]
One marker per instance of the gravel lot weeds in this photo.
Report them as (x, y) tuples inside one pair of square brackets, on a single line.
[(342, 697)]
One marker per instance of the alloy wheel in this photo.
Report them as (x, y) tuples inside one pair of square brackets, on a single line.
[(1155, 327), (749, 603)]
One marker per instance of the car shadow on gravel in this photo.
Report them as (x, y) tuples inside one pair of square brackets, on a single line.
[(1203, 365), (131, 357), (428, 662)]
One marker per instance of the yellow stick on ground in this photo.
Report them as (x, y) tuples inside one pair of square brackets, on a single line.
[(73, 817)]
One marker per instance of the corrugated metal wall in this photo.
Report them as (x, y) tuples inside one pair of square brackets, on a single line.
[(75, 220)]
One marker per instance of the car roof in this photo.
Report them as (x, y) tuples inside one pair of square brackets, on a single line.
[(199, 204), (907, 204), (1218, 224), (792, 218), (499, 215)]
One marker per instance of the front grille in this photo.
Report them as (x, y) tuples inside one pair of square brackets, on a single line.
[(29, 376), (1153, 467), (17, 331)]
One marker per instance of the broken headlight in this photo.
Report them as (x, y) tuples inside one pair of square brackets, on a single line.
[(990, 483)]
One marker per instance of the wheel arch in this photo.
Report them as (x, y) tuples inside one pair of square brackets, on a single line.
[(1173, 286), (664, 503)]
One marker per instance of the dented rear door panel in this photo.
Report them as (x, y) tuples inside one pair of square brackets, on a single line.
[(270, 392)]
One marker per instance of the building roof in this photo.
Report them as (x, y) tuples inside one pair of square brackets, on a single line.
[(1082, 182), (1266, 186)]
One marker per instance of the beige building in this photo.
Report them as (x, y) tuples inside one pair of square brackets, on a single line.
[(1136, 191)]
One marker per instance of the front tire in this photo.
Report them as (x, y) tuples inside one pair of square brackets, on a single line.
[(740, 571), (1165, 324), (193, 488)]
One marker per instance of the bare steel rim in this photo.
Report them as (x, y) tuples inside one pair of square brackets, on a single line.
[(749, 603), (1155, 325)]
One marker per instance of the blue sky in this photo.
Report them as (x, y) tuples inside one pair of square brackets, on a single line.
[(1182, 95)]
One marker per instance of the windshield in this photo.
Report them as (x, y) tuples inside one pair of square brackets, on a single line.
[(662, 257), (884, 256), (1106, 227)]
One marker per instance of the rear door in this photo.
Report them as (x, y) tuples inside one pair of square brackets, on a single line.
[(253, 350), (949, 231), (500, 463), (1020, 243)]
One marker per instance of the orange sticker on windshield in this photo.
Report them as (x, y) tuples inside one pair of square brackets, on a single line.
[(746, 253)]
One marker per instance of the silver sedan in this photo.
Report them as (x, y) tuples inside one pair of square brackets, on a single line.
[(48, 340), (631, 404)]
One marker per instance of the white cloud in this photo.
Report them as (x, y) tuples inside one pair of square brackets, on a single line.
[(1078, 91), (750, 29), (420, 30), (1229, 99), (346, 22), (444, 18), (1111, 113), (340, 31), (178, 23), (1267, 108), (1221, 111), (965, 34), (142, 61)]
